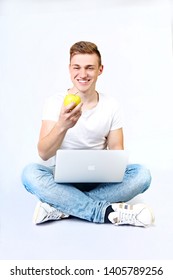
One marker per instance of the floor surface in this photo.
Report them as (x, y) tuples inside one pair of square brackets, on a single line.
[(76, 239)]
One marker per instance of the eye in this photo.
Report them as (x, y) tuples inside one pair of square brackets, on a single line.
[(76, 67)]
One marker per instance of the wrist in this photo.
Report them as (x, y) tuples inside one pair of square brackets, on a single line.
[(60, 128)]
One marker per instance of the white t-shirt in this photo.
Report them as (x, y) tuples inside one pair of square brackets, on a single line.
[(94, 125)]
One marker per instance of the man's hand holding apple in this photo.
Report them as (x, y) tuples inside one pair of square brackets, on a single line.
[(70, 114)]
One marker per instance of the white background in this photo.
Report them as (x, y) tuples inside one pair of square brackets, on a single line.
[(134, 38), (135, 41)]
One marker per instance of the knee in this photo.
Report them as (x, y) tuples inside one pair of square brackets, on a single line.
[(29, 175), (145, 178), (28, 172), (141, 176), (36, 176)]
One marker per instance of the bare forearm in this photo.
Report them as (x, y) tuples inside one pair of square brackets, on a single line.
[(52, 133), (48, 145)]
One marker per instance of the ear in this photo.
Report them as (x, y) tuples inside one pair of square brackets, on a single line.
[(101, 69)]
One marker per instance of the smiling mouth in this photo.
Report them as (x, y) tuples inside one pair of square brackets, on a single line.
[(83, 81)]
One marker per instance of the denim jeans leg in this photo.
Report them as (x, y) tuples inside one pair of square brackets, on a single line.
[(38, 180), (136, 180)]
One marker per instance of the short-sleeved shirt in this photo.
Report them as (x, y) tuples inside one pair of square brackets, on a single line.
[(92, 128)]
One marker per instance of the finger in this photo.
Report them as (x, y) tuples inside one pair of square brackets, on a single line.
[(73, 108), (70, 107), (79, 105), (78, 108), (75, 118)]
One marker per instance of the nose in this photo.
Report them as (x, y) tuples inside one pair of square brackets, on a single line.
[(83, 73)]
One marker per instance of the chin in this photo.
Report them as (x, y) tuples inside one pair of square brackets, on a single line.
[(81, 89)]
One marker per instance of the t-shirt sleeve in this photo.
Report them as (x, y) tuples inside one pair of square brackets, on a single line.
[(117, 116), (51, 108)]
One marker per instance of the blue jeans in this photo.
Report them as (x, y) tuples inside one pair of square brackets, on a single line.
[(89, 200)]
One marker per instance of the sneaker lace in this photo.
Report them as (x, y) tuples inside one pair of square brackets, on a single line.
[(126, 217)]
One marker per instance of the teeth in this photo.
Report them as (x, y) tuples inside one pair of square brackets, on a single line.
[(82, 81)]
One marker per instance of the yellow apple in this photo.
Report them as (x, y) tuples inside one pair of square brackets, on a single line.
[(69, 98)]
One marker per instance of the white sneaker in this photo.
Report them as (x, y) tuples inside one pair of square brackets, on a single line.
[(44, 212), (135, 215)]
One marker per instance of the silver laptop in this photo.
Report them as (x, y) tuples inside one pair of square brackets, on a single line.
[(79, 166)]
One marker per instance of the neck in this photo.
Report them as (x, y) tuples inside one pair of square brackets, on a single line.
[(89, 98)]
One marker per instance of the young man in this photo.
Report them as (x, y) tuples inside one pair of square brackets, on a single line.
[(95, 123)]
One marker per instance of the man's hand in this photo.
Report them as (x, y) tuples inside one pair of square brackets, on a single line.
[(69, 115), (52, 133)]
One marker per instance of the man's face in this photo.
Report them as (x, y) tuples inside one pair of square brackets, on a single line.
[(84, 71)]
